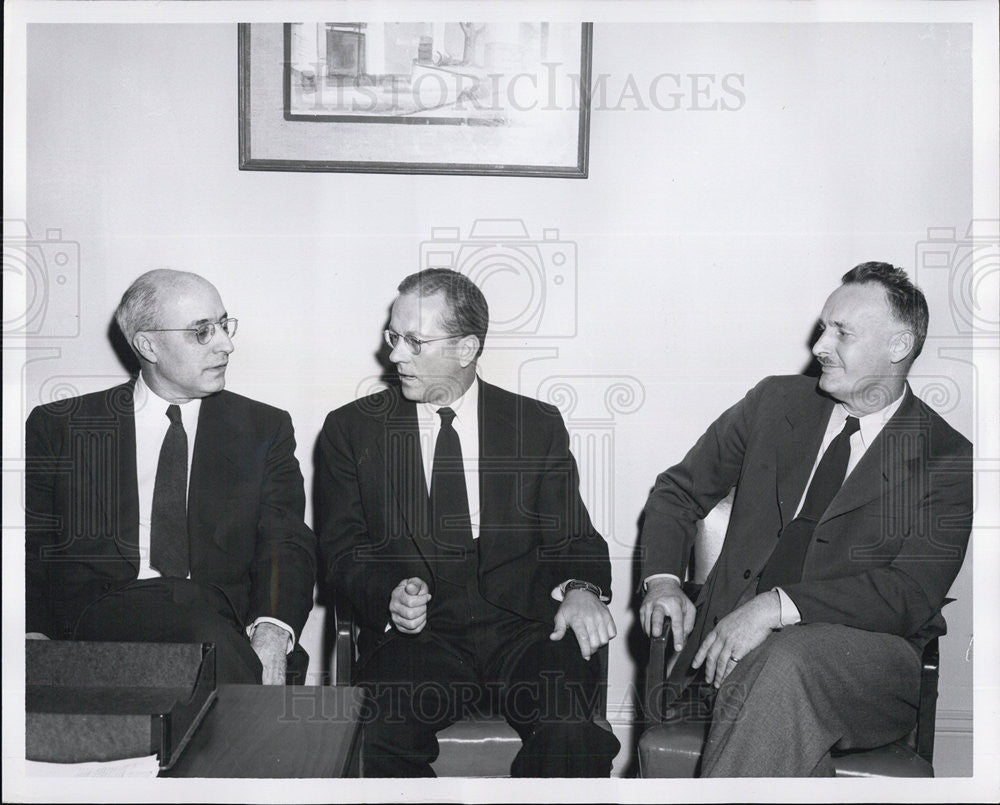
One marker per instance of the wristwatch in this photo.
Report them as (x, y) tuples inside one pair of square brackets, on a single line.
[(579, 584)]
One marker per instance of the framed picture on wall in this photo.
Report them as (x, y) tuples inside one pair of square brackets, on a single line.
[(508, 99)]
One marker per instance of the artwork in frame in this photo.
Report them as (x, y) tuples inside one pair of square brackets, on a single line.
[(509, 99)]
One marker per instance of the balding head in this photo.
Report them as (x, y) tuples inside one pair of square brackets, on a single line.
[(141, 305)]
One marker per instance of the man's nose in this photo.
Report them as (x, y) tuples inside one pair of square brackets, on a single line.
[(223, 341), (820, 348)]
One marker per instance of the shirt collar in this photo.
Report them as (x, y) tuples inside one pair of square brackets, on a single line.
[(465, 407), (147, 404), (870, 425)]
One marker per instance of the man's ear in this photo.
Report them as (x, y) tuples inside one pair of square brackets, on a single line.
[(901, 345), (467, 349), (144, 347)]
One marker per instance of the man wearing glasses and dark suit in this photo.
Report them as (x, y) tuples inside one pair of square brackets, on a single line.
[(166, 509), (449, 515)]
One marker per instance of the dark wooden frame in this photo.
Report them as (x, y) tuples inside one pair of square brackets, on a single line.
[(248, 161)]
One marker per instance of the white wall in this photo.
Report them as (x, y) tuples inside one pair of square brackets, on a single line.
[(706, 241)]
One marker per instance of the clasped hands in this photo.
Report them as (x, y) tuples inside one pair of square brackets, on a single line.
[(738, 633), (581, 612)]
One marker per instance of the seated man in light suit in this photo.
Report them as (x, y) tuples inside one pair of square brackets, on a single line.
[(449, 514), (166, 509), (850, 521)]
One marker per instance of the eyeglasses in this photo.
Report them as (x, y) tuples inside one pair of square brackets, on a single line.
[(412, 343), (204, 333)]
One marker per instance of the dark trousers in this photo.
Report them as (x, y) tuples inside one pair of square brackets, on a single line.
[(169, 610), (420, 684), (806, 690)]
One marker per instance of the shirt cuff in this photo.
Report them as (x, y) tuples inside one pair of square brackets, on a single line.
[(291, 633), (559, 593), (790, 614), (648, 579)]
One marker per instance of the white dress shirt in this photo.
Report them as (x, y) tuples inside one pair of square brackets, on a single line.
[(151, 425), (466, 425)]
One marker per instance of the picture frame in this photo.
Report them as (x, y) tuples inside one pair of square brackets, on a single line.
[(487, 99)]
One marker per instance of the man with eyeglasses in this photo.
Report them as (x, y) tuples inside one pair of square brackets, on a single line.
[(449, 515), (167, 509)]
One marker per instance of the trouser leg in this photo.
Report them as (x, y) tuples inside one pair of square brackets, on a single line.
[(808, 689), (416, 685), (173, 611), (550, 697)]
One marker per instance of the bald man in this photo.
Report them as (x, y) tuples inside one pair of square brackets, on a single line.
[(167, 509)]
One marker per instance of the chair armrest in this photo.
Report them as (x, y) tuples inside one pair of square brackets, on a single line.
[(656, 671), (927, 713), (344, 649)]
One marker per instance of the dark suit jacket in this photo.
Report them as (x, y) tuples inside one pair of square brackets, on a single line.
[(245, 508), (883, 555), (372, 498)]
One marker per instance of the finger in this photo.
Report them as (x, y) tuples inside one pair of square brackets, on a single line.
[(656, 622), (612, 628), (560, 627), (716, 662), (593, 634), (690, 614), (583, 638), (677, 629), (706, 644), (601, 627)]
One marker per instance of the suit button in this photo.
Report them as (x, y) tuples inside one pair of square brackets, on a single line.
[(746, 574), (715, 621)]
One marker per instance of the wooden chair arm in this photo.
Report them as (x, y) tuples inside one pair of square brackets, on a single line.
[(344, 648), (927, 713), (656, 673)]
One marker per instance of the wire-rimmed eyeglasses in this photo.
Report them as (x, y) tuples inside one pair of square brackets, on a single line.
[(205, 332), (413, 343)]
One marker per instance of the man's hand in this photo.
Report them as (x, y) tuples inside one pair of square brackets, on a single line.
[(740, 632), (408, 605), (270, 642), (665, 599), (588, 617)]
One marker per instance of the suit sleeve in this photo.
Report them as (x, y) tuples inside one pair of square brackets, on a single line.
[(284, 570), (41, 522), (584, 553), (685, 493), (350, 561), (922, 533)]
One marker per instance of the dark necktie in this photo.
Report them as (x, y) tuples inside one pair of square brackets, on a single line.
[(449, 500), (169, 552), (785, 564)]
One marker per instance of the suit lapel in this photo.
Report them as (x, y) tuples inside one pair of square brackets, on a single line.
[(499, 452), (885, 463), (404, 472), (796, 451), (126, 532), (214, 463)]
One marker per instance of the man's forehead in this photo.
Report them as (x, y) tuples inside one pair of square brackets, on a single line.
[(854, 301), (194, 300), (422, 308)]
